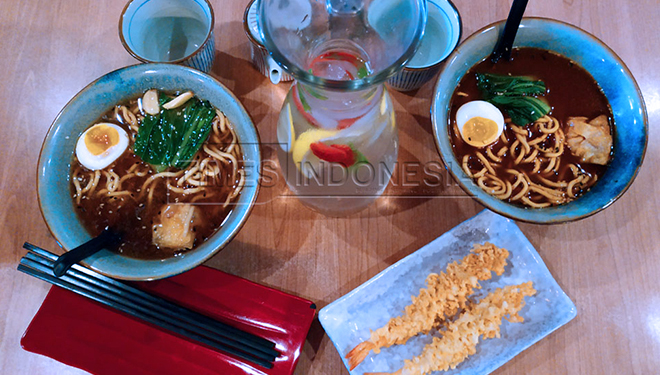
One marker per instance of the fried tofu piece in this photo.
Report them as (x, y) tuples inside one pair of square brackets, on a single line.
[(175, 229), (591, 141)]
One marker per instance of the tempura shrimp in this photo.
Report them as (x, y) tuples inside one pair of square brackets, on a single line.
[(444, 295), (462, 335)]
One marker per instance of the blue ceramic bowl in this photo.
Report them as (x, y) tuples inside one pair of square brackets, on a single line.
[(83, 110), (616, 81)]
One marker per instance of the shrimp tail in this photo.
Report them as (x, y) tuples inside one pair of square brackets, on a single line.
[(359, 353)]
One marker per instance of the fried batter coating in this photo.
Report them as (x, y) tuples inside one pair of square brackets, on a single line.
[(462, 336), (442, 298)]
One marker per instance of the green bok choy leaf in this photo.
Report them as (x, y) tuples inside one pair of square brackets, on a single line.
[(173, 137), (516, 95)]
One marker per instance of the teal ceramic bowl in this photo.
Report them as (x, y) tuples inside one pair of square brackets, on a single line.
[(614, 78), (83, 110)]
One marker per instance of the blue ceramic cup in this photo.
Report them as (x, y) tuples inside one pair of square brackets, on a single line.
[(441, 36), (260, 56), (169, 31)]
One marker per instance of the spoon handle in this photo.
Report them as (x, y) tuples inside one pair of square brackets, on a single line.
[(505, 42), (66, 260)]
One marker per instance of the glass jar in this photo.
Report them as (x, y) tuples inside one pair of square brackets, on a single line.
[(336, 131)]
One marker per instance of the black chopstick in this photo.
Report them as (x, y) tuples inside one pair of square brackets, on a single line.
[(32, 269), (208, 323), (506, 39), (169, 308), (155, 310), (42, 265)]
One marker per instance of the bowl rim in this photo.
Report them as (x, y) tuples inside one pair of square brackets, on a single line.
[(549, 220), (230, 236)]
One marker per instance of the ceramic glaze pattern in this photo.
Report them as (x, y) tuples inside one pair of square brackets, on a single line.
[(630, 118), (203, 59), (349, 319), (411, 79)]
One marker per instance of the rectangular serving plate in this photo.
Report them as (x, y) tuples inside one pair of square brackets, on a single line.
[(85, 334), (349, 319)]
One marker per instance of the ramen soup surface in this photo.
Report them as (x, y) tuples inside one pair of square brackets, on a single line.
[(134, 214), (570, 92)]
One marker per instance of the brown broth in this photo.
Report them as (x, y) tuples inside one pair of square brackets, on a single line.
[(134, 218), (571, 91)]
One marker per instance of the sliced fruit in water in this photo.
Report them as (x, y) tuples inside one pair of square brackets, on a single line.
[(286, 135), (301, 146)]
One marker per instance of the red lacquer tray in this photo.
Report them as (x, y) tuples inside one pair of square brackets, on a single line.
[(82, 333)]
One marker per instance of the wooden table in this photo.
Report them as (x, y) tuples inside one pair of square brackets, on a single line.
[(608, 264)]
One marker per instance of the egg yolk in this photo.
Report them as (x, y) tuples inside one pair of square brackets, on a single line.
[(479, 131), (100, 138)]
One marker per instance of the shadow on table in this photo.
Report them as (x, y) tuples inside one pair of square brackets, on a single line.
[(250, 261), (236, 73), (233, 67), (311, 347)]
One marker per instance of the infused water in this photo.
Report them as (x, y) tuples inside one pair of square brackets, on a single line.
[(337, 149)]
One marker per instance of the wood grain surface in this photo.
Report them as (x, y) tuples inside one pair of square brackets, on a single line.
[(608, 264)]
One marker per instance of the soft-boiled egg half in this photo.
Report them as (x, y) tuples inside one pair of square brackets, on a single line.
[(479, 122), (100, 145)]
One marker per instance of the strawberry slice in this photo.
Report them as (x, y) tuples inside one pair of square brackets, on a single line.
[(342, 154), (303, 107), (347, 122)]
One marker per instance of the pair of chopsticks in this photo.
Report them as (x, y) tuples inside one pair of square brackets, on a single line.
[(150, 308)]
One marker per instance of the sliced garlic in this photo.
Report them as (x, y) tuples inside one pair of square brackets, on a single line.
[(150, 102), (179, 100)]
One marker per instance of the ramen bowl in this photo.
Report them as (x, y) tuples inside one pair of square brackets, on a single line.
[(607, 69), (53, 174)]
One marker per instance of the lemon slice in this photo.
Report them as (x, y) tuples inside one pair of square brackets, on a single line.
[(286, 134)]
